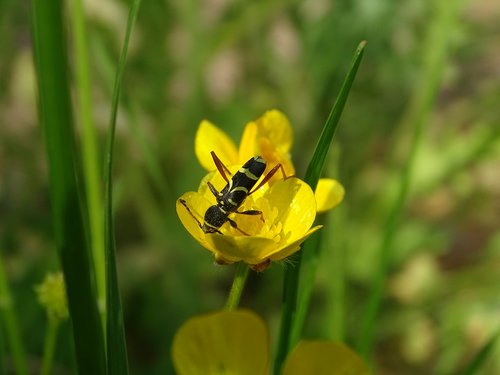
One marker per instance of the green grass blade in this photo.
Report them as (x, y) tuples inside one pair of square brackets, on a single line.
[(8, 324), (317, 163), (90, 154), (68, 214), (481, 356), (117, 362), (416, 118), (313, 173)]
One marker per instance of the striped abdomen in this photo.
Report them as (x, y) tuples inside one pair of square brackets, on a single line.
[(240, 185)]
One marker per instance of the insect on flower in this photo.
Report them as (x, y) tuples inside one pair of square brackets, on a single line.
[(232, 196)]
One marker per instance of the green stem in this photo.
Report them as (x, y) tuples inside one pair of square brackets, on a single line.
[(8, 316), (239, 281), (49, 346)]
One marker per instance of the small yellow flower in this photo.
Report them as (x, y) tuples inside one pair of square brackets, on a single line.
[(52, 295), (271, 137), (237, 342), (288, 211)]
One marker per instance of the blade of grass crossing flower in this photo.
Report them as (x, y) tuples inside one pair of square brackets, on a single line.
[(68, 215), (9, 328), (117, 363), (445, 14), (481, 356), (313, 173), (90, 155), (311, 254)]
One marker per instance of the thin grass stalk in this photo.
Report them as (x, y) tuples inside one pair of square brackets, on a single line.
[(9, 325), (420, 107), (68, 214), (117, 362), (313, 173), (49, 346), (90, 153)]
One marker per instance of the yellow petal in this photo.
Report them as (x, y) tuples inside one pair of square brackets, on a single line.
[(324, 358), (248, 143), (329, 193), (274, 156), (292, 247), (296, 206), (226, 342), (250, 249), (275, 126), (210, 138)]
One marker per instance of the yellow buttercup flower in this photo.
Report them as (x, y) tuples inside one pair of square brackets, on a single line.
[(288, 210), (237, 343), (271, 137)]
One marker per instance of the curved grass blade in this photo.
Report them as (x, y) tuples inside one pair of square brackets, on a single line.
[(68, 214), (313, 173), (117, 362)]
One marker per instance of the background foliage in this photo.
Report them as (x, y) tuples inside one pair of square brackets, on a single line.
[(229, 62)]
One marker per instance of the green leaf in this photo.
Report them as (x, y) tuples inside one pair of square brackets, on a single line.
[(313, 173), (115, 334), (68, 214)]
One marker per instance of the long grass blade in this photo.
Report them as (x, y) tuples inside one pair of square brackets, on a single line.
[(313, 173), (68, 215), (115, 338), (90, 154)]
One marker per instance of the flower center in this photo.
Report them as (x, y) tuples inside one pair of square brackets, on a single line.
[(265, 225)]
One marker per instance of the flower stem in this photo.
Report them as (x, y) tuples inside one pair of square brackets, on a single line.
[(239, 281), (50, 344)]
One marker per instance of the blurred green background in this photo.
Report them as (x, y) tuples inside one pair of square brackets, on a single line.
[(229, 61)]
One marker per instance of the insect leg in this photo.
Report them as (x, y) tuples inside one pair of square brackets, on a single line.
[(220, 166), (251, 212), (235, 226)]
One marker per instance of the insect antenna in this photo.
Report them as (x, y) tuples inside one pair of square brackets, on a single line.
[(220, 166), (183, 202), (268, 176)]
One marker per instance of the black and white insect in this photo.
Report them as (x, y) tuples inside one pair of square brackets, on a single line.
[(232, 196)]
